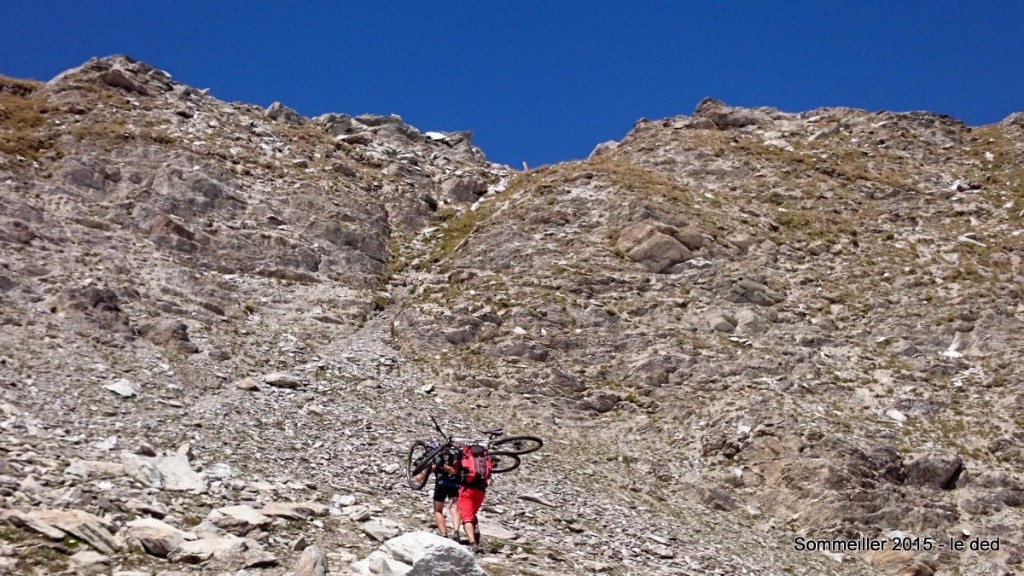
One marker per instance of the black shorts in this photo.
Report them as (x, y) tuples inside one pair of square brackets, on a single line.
[(443, 492)]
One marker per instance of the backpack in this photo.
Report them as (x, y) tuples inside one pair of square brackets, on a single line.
[(476, 464)]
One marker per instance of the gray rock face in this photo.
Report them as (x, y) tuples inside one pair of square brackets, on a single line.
[(869, 277), (84, 172)]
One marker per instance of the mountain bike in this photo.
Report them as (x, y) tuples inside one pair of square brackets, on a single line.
[(504, 452)]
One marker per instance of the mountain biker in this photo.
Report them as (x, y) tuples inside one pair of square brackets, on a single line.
[(446, 488), (473, 490)]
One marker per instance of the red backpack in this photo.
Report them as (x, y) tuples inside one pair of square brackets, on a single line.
[(476, 464)]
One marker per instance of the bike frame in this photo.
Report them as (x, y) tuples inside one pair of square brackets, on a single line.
[(426, 458)]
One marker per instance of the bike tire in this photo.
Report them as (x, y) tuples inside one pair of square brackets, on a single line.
[(518, 444), (419, 459), (504, 462)]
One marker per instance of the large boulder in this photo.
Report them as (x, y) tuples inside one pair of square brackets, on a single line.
[(155, 537), (652, 246), (750, 323), (334, 124), (725, 117), (463, 189), (100, 305), (313, 562), (239, 519), (118, 78), (83, 173), (17, 232), (420, 554), (751, 291), (169, 332), (88, 561), (166, 232), (225, 552), (381, 529), (282, 113), (92, 530), (93, 469), (164, 472), (936, 471), (293, 510), (721, 321), (123, 387), (21, 520), (282, 380)]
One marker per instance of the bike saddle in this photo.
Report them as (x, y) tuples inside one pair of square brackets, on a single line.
[(493, 432)]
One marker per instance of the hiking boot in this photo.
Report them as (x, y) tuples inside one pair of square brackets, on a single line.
[(455, 536)]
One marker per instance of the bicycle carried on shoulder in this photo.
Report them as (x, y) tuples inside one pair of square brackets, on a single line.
[(504, 452)]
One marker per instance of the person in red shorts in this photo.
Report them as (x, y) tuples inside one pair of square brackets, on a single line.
[(476, 466)]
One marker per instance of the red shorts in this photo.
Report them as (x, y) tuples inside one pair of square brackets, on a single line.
[(470, 500)]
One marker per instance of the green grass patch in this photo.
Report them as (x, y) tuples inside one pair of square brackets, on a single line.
[(24, 130), (633, 178)]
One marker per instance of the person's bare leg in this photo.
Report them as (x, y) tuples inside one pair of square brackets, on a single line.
[(439, 516), (456, 518), (470, 532)]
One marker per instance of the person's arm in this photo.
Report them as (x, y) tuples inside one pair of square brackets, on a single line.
[(439, 464)]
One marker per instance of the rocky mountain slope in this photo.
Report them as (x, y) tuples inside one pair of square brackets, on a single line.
[(223, 325)]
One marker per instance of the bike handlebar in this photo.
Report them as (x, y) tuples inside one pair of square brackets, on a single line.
[(438, 428)]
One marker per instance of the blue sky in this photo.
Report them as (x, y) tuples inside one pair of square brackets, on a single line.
[(544, 81)]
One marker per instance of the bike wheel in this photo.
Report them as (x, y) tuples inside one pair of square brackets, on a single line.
[(504, 462), (419, 460), (518, 444)]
